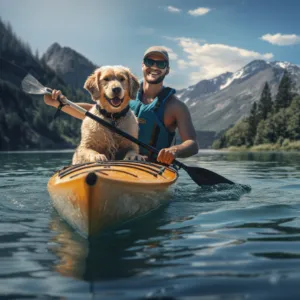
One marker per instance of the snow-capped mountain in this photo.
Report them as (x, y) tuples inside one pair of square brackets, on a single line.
[(217, 103), (204, 87)]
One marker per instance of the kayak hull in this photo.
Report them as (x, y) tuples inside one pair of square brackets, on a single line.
[(92, 197)]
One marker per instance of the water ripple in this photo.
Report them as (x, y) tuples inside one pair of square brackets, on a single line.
[(220, 242)]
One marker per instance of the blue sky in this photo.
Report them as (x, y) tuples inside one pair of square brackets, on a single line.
[(205, 37)]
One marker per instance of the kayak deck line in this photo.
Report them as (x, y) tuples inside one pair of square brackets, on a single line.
[(77, 174), (121, 171), (145, 164), (156, 170), (107, 169), (103, 173)]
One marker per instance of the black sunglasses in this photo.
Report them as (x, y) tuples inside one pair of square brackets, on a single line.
[(161, 64)]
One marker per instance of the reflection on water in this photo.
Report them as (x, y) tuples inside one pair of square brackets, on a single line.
[(231, 246), (106, 257)]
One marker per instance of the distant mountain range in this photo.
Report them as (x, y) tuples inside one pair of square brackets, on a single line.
[(218, 103), (215, 104)]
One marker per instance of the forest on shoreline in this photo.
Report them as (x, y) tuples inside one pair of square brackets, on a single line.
[(271, 125)]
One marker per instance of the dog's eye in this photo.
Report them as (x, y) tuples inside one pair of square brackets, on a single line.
[(122, 79), (106, 78)]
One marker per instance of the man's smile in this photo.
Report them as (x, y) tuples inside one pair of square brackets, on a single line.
[(154, 73)]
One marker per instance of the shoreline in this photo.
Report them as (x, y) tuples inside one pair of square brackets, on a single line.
[(201, 151), (264, 148), (37, 151)]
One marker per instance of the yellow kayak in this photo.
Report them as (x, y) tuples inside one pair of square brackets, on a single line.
[(94, 196)]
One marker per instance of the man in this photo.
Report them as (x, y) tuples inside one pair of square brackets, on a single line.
[(159, 111)]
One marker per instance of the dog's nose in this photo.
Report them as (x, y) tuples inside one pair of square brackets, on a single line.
[(116, 90)]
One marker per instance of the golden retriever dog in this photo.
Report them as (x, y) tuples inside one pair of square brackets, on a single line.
[(111, 87)]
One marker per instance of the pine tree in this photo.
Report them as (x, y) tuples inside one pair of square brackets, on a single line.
[(37, 54), (265, 103), (284, 95), (252, 122)]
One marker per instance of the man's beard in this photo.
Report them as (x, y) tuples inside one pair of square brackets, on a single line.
[(156, 81)]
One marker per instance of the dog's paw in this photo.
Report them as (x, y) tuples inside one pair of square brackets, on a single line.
[(134, 156), (98, 157)]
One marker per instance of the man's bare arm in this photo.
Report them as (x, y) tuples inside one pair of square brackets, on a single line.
[(74, 113), (189, 145), (51, 100)]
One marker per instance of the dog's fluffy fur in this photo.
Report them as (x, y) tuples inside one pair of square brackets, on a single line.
[(111, 87)]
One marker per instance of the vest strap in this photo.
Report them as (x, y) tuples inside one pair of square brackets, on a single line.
[(162, 95)]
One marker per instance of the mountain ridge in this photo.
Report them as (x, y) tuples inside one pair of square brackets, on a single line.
[(232, 97), (215, 104), (69, 64)]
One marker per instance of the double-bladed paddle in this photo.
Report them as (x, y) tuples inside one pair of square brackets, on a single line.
[(199, 175)]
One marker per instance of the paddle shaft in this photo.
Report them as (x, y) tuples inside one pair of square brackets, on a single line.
[(115, 129)]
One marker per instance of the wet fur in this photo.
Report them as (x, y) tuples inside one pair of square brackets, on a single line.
[(97, 142)]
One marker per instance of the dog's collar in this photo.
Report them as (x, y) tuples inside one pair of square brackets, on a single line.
[(113, 116)]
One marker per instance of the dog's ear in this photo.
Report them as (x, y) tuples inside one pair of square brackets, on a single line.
[(134, 85), (92, 85)]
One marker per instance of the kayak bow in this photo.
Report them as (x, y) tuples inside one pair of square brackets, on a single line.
[(94, 196)]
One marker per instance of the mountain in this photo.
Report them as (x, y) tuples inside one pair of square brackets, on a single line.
[(25, 121), (218, 103), (204, 87), (70, 65)]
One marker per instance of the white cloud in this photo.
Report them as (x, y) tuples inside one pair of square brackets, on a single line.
[(210, 60), (173, 9), (182, 64), (172, 54), (281, 39), (200, 11)]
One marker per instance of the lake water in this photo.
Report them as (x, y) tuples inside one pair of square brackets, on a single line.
[(207, 243)]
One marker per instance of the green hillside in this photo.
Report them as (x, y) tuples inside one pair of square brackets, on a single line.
[(25, 121), (271, 125)]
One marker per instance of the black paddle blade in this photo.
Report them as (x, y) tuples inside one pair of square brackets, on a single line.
[(203, 176)]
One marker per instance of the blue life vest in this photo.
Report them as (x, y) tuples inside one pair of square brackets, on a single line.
[(152, 130)]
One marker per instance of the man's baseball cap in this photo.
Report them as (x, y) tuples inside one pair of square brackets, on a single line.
[(157, 50)]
